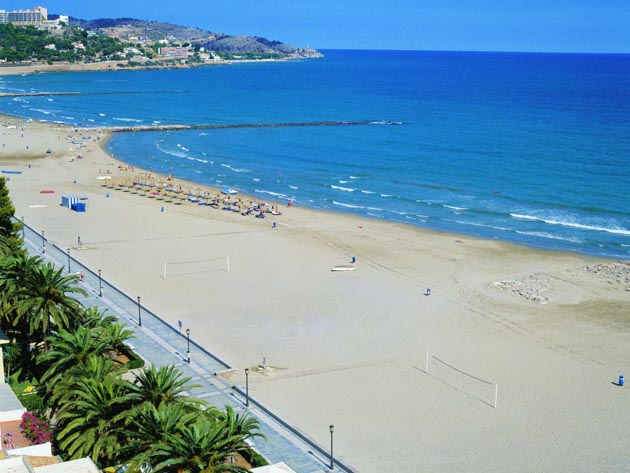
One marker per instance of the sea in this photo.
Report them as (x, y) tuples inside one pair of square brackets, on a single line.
[(522, 147)]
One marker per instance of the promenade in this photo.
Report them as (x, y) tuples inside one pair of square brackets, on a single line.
[(161, 344)]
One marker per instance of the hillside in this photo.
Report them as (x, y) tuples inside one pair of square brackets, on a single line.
[(229, 45)]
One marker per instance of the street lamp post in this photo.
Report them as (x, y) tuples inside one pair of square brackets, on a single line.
[(139, 313), (100, 285), (69, 270), (332, 429), (188, 345), (246, 387)]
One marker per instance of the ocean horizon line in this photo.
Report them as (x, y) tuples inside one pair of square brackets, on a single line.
[(480, 51)]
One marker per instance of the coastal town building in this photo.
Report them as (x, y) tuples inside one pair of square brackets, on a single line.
[(174, 52), (35, 17)]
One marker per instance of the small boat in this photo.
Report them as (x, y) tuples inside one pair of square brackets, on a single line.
[(229, 191)]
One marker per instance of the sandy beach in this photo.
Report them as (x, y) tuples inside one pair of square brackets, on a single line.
[(549, 329)]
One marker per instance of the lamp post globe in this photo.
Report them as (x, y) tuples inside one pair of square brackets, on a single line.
[(332, 465)]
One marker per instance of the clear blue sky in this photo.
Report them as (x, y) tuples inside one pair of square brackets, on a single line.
[(472, 25)]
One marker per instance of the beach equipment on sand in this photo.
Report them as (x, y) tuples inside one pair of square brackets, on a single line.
[(621, 380), (343, 268), (9, 171), (229, 191), (74, 202), (47, 191)]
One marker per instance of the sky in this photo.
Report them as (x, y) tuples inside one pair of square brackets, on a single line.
[(456, 25)]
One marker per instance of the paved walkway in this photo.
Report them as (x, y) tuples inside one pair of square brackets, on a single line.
[(160, 344)]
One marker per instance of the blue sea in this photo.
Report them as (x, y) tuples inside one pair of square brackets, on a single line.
[(527, 148)]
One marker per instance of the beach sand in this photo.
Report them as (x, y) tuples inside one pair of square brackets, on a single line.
[(348, 348)]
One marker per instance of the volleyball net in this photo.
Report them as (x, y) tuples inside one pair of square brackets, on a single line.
[(181, 268), (482, 389)]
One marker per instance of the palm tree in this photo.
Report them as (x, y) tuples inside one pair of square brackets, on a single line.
[(93, 424), (202, 446), (69, 350), (12, 270), (149, 425), (95, 367), (114, 335), (240, 427), (92, 317), (163, 385), (42, 296)]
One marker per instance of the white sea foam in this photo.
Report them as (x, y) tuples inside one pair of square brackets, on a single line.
[(550, 236), (176, 154), (366, 192), (294, 187), (235, 169), (564, 223), (354, 177), (131, 120), (345, 189), (476, 224), (452, 207), (347, 205), (275, 194), (255, 179), (101, 115), (45, 112), (524, 217), (386, 195), (343, 182), (190, 158)]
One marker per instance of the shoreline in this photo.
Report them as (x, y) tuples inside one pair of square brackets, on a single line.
[(114, 66), (349, 348)]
